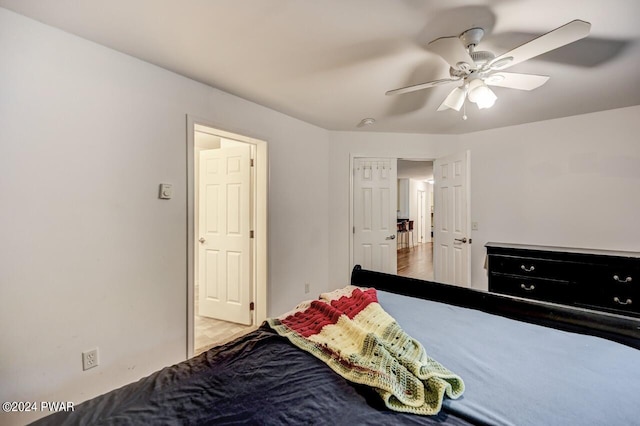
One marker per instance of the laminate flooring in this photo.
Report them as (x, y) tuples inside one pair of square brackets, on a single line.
[(416, 261), (210, 332)]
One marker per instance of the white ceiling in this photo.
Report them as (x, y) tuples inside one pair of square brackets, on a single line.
[(330, 62), (415, 169)]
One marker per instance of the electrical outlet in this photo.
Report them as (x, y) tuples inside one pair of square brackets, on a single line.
[(90, 359), (307, 287)]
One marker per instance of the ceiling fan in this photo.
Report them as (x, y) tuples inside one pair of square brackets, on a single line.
[(478, 69)]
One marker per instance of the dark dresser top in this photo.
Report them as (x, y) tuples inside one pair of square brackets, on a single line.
[(597, 252)]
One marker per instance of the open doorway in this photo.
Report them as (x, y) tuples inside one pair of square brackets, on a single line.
[(226, 235), (376, 216), (415, 219)]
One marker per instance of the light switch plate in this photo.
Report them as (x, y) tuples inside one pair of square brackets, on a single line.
[(166, 191)]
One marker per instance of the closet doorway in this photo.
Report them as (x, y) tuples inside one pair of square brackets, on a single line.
[(227, 183)]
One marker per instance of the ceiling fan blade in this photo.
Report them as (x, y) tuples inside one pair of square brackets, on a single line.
[(568, 33), (421, 86), (452, 51), (518, 81)]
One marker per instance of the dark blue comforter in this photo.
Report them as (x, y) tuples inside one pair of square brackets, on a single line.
[(258, 379), (515, 374)]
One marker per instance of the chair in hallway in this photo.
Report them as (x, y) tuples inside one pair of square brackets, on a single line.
[(402, 233)]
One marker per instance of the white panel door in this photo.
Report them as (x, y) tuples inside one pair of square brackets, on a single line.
[(451, 248), (224, 248), (375, 189)]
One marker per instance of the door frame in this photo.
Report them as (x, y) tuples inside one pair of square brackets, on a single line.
[(260, 244), (352, 158)]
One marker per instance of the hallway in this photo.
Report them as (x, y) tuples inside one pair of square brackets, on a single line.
[(416, 261)]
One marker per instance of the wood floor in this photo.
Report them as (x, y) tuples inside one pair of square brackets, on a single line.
[(416, 261)]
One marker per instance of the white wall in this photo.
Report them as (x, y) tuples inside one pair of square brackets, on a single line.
[(90, 257), (572, 182)]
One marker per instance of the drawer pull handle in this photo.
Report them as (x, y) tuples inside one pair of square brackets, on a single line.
[(626, 280), (531, 269), (530, 288), (620, 302)]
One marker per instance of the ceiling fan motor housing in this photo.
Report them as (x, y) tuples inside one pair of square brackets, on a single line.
[(481, 57), (471, 37)]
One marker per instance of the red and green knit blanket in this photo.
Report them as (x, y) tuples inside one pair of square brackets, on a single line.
[(349, 330)]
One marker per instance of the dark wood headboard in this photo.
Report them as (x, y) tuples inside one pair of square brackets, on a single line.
[(618, 328)]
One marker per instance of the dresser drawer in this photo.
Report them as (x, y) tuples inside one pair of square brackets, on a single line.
[(615, 275), (618, 298), (533, 267), (531, 288)]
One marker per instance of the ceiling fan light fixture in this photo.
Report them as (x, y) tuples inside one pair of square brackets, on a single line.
[(487, 99), (455, 99), (474, 85), (481, 95)]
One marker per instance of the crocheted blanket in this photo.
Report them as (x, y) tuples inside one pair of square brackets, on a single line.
[(359, 340)]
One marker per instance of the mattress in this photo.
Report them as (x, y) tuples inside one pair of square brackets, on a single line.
[(518, 373), (515, 373)]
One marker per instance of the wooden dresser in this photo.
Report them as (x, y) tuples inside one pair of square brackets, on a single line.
[(596, 279)]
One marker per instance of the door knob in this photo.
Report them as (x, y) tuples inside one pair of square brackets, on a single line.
[(461, 240), (202, 240), (391, 237)]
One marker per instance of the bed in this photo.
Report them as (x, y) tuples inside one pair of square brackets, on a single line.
[(523, 363)]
